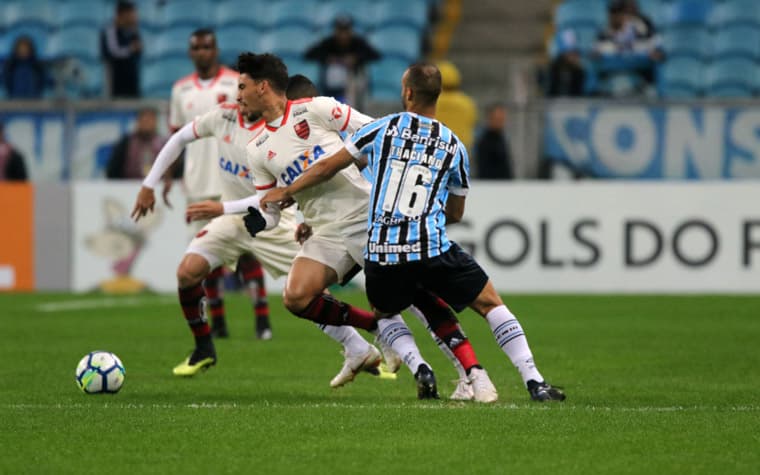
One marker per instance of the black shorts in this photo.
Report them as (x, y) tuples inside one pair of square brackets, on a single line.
[(454, 276)]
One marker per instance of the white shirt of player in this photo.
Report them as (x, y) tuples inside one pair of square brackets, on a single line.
[(309, 130), (190, 98), (226, 124)]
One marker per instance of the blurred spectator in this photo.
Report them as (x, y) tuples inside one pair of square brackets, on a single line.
[(626, 51), (12, 166), (25, 76), (121, 47), (133, 155), (455, 108), (493, 159), (567, 76), (342, 57)]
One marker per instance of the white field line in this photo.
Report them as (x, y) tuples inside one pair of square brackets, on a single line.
[(338, 405), (103, 302)]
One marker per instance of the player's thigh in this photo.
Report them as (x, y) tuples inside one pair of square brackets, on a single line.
[(487, 300), (455, 277), (330, 251), (220, 241), (390, 289), (307, 279)]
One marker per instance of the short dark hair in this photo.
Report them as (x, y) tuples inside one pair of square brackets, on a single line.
[(424, 79), (264, 66), (203, 32), (123, 6), (299, 86)]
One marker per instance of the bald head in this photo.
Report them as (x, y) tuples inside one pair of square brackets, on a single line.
[(421, 85)]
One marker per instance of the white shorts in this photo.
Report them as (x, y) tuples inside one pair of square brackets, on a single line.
[(339, 249), (224, 239), (195, 226)]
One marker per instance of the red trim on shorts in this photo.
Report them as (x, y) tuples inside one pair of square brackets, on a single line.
[(347, 118), (266, 187)]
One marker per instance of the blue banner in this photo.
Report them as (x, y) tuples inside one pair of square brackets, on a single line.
[(654, 142)]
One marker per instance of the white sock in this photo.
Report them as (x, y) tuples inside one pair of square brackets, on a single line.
[(394, 332), (511, 338), (347, 336), (441, 345)]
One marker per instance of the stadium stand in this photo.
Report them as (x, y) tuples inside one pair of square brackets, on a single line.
[(287, 27)]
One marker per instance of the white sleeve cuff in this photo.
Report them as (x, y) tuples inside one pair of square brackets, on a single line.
[(240, 206), (351, 148), (458, 191)]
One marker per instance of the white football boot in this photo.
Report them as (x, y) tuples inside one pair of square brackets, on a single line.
[(354, 364), (482, 388), (463, 391)]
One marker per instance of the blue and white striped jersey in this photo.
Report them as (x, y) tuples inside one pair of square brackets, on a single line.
[(415, 162)]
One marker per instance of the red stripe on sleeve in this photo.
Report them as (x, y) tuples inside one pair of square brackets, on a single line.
[(348, 117), (266, 187)]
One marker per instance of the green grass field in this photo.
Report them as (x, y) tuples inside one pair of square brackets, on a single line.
[(655, 385)]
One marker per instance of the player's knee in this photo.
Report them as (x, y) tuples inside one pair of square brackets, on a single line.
[(188, 275), (296, 300)]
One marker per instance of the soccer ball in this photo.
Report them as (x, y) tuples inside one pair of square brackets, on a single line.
[(100, 372)]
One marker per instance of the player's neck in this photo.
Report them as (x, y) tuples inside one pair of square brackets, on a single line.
[(209, 73), (275, 109), (425, 111)]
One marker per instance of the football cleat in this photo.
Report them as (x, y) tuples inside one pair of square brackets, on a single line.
[(463, 391), (392, 360), (483, 389), (544, 391), (263, 328), (354, 364), (426, 387), (199, 359)]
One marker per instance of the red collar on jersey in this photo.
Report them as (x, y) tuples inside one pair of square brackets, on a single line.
[(222, 71), (287, 112)]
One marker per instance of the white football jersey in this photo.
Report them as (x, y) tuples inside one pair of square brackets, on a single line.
[(225, 123), (309, 130), (191, 98)]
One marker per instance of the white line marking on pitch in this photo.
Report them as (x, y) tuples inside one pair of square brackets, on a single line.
[(105, 302)]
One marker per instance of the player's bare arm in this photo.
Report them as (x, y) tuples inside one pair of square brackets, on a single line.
[(319, 172), (454, 209), (204, 210)]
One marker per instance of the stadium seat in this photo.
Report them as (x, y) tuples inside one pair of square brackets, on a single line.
[(81, 42), (158, 77), (413, 13), (239, 13), (81, 13), (172, 41), (190, 13), (233, 40), (581, 13), (735, 13), (22, 14), (385, 93), (310, 69), (287, 40), (728, 76), (688, 13), (690, 42), (386, 74), (737, 41), (680, 78), (91, 79), (397, 41), (288, 13)]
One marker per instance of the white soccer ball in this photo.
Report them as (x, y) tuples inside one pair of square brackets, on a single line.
[(100, 372)]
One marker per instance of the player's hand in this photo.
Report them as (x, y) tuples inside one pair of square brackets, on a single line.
[(303, 232), (254, 221), (276, 196), (146, 200), (204, 210), (168, 182)]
